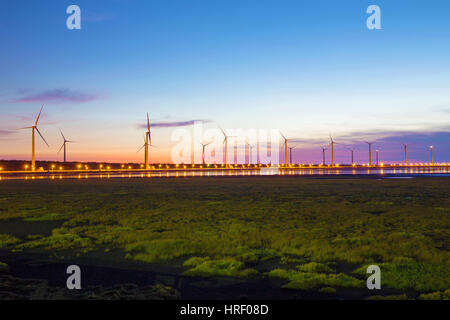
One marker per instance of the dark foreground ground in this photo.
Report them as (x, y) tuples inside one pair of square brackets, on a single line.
[(225, 238)]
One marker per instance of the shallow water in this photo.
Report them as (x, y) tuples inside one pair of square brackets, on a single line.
[(387, 172)]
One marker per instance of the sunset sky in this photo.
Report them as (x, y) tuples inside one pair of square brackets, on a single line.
[(307, 68)]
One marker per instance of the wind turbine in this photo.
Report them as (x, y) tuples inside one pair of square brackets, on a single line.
[(405, 146), (352, 150), (377, 150), (148, 142), (225, 143), (370, 152), (247, 148), (290, 154), (431, 153), (251, 154), (203, 151), (323, 154), (285, 149), (257, 151), (332, 143), (33, 128), (146, 145), (64, 144)]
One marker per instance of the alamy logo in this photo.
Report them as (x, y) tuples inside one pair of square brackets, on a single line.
[(374, 20), (74, 20), (74, 280), (374, 280)]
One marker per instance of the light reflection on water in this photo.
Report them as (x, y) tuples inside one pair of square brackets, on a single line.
[(388, 172)]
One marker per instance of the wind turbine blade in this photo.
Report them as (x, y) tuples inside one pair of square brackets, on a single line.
[(148, 122), (154, 146), (140, 148), (62, 135), (39, 115), (61, 148), (25, 128), (42, 137), (223, 132), (283, 135)]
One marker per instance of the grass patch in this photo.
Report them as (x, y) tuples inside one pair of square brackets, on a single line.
[(6, 240), (327, 290), (58, 241), (309, 280), (206, 267), (444, 295), (159, 250), (315, 268), (45, 217), (4, 267), (407, 274)]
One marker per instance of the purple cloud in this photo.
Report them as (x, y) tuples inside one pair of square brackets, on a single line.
[(5, 132), (58, 95), (172, 124)]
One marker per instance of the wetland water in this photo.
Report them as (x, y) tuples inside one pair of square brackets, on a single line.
[(346, 171)]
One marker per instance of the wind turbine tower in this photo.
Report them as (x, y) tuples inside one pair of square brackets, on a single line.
[(285, 150), (33, 147), (64, 145), (405, 147), (203, 151), (290, 154), (352, 150), (257, 151), (323, 155), (431, 153), (148, 142), (225, 144), (332, 143), (370, 153)]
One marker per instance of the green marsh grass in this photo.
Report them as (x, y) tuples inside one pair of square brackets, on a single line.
[(312, 227)]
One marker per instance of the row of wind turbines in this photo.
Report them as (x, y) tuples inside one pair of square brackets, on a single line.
[(148, 143), (352, 150), (34, 128)]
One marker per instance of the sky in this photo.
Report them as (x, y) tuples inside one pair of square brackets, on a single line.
[(310, 69)]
